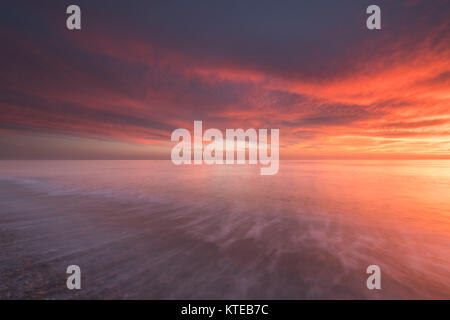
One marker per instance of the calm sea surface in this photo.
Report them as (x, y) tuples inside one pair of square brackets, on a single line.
[(153, 230)]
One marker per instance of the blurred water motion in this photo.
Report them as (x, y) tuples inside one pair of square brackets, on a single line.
[(153, 230)]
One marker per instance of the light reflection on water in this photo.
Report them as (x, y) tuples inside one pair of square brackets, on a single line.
[(150, 229)]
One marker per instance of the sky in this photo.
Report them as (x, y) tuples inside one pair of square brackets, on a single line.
[(137, 70)]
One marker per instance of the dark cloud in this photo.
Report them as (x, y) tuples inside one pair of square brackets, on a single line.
[(139, 69)]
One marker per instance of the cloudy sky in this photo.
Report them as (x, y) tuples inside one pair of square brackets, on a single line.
[(140, 69)]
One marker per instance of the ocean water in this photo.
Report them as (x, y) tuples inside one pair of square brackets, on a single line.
[(153, 230)]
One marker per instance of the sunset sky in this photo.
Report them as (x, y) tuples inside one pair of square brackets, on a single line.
[(138, 70)]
